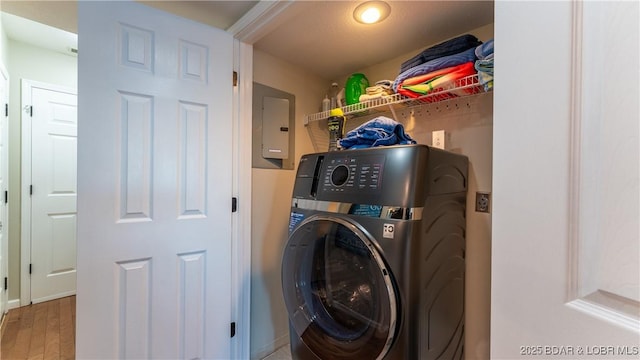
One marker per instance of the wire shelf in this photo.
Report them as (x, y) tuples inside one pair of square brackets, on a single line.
[(463, 87), (318, 131)]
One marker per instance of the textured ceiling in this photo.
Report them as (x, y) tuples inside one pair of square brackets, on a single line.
[(63, 14), (58, 14), (220, 14), (321, 36)]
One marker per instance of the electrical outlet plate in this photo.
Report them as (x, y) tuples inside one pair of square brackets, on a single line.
[(483, 202), (437, 139)]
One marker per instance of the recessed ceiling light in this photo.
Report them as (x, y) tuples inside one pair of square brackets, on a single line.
[(371, 12)]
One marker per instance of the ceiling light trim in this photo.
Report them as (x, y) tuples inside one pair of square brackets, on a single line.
[(371, 12)]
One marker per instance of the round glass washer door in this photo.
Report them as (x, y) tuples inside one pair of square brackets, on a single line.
[(338, 292)]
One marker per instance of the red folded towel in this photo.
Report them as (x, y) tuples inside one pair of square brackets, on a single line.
[(424, 84)]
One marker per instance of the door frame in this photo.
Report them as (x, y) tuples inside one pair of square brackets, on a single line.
[(255, 24), (241, 182), (4, 173), (25, 182)]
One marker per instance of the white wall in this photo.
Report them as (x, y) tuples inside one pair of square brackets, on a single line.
[(32, 63), (4, 44), (271, 205)]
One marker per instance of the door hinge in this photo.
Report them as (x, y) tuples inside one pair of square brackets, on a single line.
[(30, 268), (234, 204), (6, 196), (233, 329), (6, 109), (6, 283), (30, 189), (235, 78)]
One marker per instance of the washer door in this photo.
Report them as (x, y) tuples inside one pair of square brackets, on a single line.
[(338, 291)]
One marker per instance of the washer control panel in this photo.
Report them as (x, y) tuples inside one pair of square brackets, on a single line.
[(353, 173)]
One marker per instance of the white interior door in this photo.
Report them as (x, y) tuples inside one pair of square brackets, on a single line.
[(4, 176), (566, 200), (49, 176), (154, 185)]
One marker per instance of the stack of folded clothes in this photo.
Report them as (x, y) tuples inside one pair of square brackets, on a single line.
[(438, 67), (381, 131), (381, 89), (424, 84), (484, 64)]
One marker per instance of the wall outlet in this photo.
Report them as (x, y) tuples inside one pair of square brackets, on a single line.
[(437, 139), (483, 202)]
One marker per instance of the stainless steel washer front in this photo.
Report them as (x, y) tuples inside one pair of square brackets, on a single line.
[(342, 302)]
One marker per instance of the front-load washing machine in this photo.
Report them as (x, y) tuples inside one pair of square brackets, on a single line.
[(374, 264)]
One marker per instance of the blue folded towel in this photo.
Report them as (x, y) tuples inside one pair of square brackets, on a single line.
[(484, 68), (448, 47), (380, 131), (485, 51), (484, 64)]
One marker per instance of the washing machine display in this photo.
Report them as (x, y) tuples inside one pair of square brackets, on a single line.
[(343, 302), (353, 173)]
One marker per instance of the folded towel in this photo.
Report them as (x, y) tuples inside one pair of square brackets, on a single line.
[(384, 83), (378, 89), (367, 97), (485, 72), (485, 50), (485, 65), (380, 131), (424, 84), (449, 47), (436, 64)]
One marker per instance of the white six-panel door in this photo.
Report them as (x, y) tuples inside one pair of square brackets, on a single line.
[(154, 185), (49, 192)]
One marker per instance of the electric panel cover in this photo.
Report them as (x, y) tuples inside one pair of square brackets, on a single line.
[(275, 128)]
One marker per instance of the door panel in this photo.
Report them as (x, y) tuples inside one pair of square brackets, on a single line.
[(53, 200), (154, 185), (4, 176), (565, 243)]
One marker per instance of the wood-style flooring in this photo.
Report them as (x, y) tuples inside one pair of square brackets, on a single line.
[(41, 331)]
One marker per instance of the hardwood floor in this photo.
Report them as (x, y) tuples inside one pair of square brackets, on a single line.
[(41, 331)]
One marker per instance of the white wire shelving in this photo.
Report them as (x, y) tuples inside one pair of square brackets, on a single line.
[(317, 128)]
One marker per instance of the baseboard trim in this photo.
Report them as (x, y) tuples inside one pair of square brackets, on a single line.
[(13, 304)]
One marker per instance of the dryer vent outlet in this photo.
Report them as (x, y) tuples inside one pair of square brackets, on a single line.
[(483, 202)]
